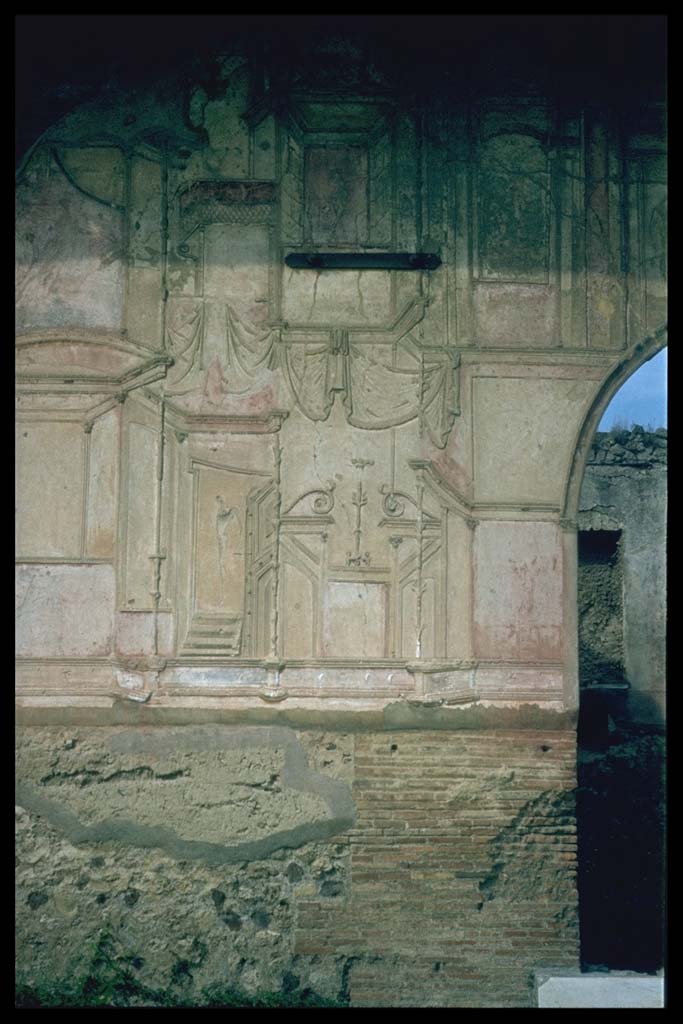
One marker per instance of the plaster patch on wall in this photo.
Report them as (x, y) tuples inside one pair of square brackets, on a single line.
[(212, 793)]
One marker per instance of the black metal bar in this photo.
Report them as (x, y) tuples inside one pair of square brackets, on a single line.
[(363, 260)]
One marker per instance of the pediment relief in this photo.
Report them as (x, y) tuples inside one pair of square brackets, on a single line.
[(324, 115), (61, 360)]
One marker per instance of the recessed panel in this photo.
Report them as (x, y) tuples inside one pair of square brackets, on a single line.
[(524, 435), (236, 266), (64, 611), (513, 204), (49, 465), (220, 525), (336, 188), (355, 620), (102, 487), (518, 588)]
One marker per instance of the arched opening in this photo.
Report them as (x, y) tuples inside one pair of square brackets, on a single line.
[(618, 502)]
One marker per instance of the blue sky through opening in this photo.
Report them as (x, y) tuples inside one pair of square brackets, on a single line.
[(641, 400)]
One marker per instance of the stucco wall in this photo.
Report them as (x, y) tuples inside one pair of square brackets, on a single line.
[(337, 483)]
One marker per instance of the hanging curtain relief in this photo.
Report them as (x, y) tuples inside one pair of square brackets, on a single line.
[(381, 385)]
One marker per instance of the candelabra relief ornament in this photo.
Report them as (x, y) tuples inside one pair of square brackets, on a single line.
[(359, 499)]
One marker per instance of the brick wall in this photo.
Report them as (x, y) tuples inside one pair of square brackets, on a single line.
[(456, 879), (463, 867)]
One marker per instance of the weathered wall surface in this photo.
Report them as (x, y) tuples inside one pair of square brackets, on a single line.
[(601, 609), (267, 497), (380, 867), (625, 490)]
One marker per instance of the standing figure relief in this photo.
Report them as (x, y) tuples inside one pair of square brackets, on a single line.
[(228, 528)]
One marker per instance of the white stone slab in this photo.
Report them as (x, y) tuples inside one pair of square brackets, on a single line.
[(611, 990)]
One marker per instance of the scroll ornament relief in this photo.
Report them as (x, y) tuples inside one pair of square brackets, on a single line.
[(387, 602)]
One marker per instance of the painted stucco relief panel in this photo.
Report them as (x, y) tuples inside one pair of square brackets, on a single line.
[(227, 547), (518, 587), (102, 494), (64, 611), (50, 489), (138, 518), (513, 215), (306, 483), (521, 202), (539, 420), (336, 190), (70, 243)]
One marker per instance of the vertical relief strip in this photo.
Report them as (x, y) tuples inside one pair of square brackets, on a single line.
[(395, 609), (419, 625), (158, 556), (421, 182), (443, 574), (249, 549), (164, 245), (460, 231), (322, 588), (275, 636), (625, 206), (127, 201), (602, 297), (87, 431), (569, 241)]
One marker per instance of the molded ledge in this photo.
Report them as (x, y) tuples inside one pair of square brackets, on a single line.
[(338, 715)]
